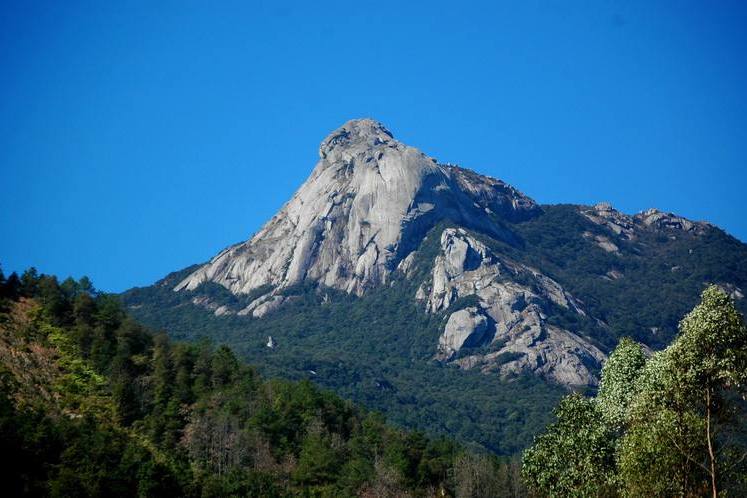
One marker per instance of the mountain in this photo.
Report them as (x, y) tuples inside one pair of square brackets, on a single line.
[(422, 288), (361, 216)]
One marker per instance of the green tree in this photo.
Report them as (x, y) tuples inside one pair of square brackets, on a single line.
[(53, 299), (618, 383), (29, 282), (11, 288), (183, 364), (475, 476), (689, 404), (225, 367), (710, 360), (320, 457), (656, 454), (576, 455)]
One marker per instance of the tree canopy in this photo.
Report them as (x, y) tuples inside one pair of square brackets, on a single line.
[(670, 425), (94, 404)]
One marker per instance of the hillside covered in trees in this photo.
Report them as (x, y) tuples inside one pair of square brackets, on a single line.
[(94, 404)]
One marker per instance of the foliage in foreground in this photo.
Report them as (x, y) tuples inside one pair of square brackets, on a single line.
[(672, 425), (93, 404)]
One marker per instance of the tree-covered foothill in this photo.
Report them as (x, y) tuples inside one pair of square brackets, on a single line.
[(674, 424), (94, 404)]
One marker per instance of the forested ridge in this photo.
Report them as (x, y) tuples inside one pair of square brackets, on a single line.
[(94, 404)]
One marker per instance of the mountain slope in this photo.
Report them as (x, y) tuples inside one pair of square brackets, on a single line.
[(386, 266)]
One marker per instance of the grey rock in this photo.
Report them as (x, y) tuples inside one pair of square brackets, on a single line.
[(626, 227), (511, 316), (263, 305), (552, 353), (406, 265), (605, 215), (365, 207), (466, 327), (654, 218), (732, 291), (223, 310), (210, 305), (603, 242), (613, 275), (361, 215)]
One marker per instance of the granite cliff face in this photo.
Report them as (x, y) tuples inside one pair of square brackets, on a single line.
[(363, 215), (365, 207), (510, 318)]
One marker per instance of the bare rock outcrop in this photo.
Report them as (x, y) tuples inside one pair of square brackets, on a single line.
[(628, 227), (513, 302), (211, 305), (654, 218), (605, 215), (466, 327)]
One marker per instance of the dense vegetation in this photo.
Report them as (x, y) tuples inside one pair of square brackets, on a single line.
[(94, 404), (657, 277), (674, 424)]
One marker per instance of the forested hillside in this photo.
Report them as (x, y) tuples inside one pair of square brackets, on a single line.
[(94, 404)]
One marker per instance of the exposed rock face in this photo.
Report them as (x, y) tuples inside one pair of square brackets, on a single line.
[(626, 227), (510, 317), (366, 206), (603, 242), (466, 327), (495, 196), (668, 221), (210, 305), (732, 291), (263, 305), (554, 354), (605, 215)]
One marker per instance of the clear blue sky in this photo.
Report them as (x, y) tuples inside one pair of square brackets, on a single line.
[(136, 139)]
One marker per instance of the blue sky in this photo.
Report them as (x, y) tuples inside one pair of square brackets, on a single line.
[(136, 139)]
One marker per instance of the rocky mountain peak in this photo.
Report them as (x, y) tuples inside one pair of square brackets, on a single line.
[(367, 205), (358, 134)]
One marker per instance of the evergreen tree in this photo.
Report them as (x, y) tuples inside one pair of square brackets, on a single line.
[(12, 287), (29, 282)]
